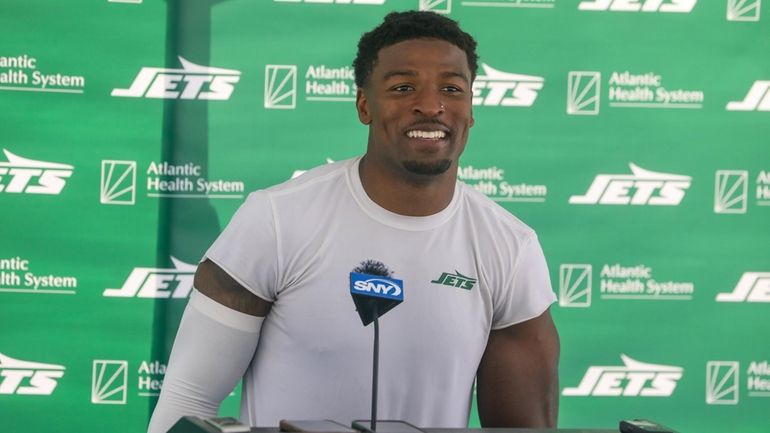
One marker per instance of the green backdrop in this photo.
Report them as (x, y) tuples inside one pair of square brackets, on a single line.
[(631, 134)]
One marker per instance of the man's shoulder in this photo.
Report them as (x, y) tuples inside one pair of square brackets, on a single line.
[(317, 176), (491, 215)]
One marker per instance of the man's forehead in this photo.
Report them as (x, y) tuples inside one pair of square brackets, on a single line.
[(416, 53)]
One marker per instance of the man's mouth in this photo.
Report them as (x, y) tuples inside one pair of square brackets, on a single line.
[(426, 135)]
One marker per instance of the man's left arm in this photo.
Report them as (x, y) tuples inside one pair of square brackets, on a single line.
[(518, 381)]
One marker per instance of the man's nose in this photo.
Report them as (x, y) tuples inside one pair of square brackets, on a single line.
[(428, 103)]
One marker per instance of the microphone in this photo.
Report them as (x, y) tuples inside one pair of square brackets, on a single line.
[(374, 292)]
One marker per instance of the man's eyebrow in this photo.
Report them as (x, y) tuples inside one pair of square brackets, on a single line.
[(412, 73), (452, 74), (406, 73)]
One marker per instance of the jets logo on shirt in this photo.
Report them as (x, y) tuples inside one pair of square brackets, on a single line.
[(455, 279)]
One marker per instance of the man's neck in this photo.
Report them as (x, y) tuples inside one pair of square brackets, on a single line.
[(410, 194)]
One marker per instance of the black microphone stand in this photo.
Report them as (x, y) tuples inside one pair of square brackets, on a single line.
[(375, 365)]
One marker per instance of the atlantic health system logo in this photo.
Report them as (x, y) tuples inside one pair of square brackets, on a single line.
[(723, 381), (743, 10), (731, 191), (632, 379), (583, 92), (190, 82), (642, 187), (27, 377), (618, 282), (108, 381), (29, 176)]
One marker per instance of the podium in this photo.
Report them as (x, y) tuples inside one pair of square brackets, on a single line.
[(191, 424)]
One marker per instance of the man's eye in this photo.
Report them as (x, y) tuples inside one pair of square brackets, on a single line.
[(403, 88), (452, 89)]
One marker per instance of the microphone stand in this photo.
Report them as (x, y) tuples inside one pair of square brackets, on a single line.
[(375, 365)]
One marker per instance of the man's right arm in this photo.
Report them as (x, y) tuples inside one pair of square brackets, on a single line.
[(213, 348)]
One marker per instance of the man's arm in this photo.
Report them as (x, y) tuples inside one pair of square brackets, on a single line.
[(218, 285), (215, 343), (518, 382)]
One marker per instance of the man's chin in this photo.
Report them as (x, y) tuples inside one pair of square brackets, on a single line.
[(428, 168)]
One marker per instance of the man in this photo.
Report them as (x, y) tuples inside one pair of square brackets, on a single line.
[(272, 301)]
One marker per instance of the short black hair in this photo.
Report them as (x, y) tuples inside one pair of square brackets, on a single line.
[(402, 26)]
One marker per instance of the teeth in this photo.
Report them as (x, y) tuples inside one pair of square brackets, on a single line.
[(431, 135)]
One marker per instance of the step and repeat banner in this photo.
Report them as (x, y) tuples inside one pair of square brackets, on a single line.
[(633, 135)]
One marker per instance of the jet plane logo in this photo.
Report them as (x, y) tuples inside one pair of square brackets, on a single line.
[(680, 6), (176, 282), (643, 187), (28, 378), (498, 88), (758, 98), (191, 82), (633, 379), (752, 287), (28, 176)]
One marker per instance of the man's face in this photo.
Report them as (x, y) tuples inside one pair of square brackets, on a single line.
[(417, 102)]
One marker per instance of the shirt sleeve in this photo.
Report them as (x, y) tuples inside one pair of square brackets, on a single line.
[(248, 248), (529, 292)]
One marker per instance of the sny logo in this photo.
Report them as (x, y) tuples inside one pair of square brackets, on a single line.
[(633, 379), (455, 280), (682, 6), (176, 282), (32, 177), (497, 88), (200, 82), (384, 287), (643, 187), (758, 99), (752, 287), (28, 378)]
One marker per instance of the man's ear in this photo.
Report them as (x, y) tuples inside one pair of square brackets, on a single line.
[(362, 106), (473, 120)]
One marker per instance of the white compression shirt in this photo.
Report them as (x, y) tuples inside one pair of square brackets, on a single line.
[(295, 245)]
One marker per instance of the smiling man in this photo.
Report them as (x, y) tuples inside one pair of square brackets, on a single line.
[(272, 303)]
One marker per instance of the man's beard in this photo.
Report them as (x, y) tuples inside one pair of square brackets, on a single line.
[(433, 168)]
